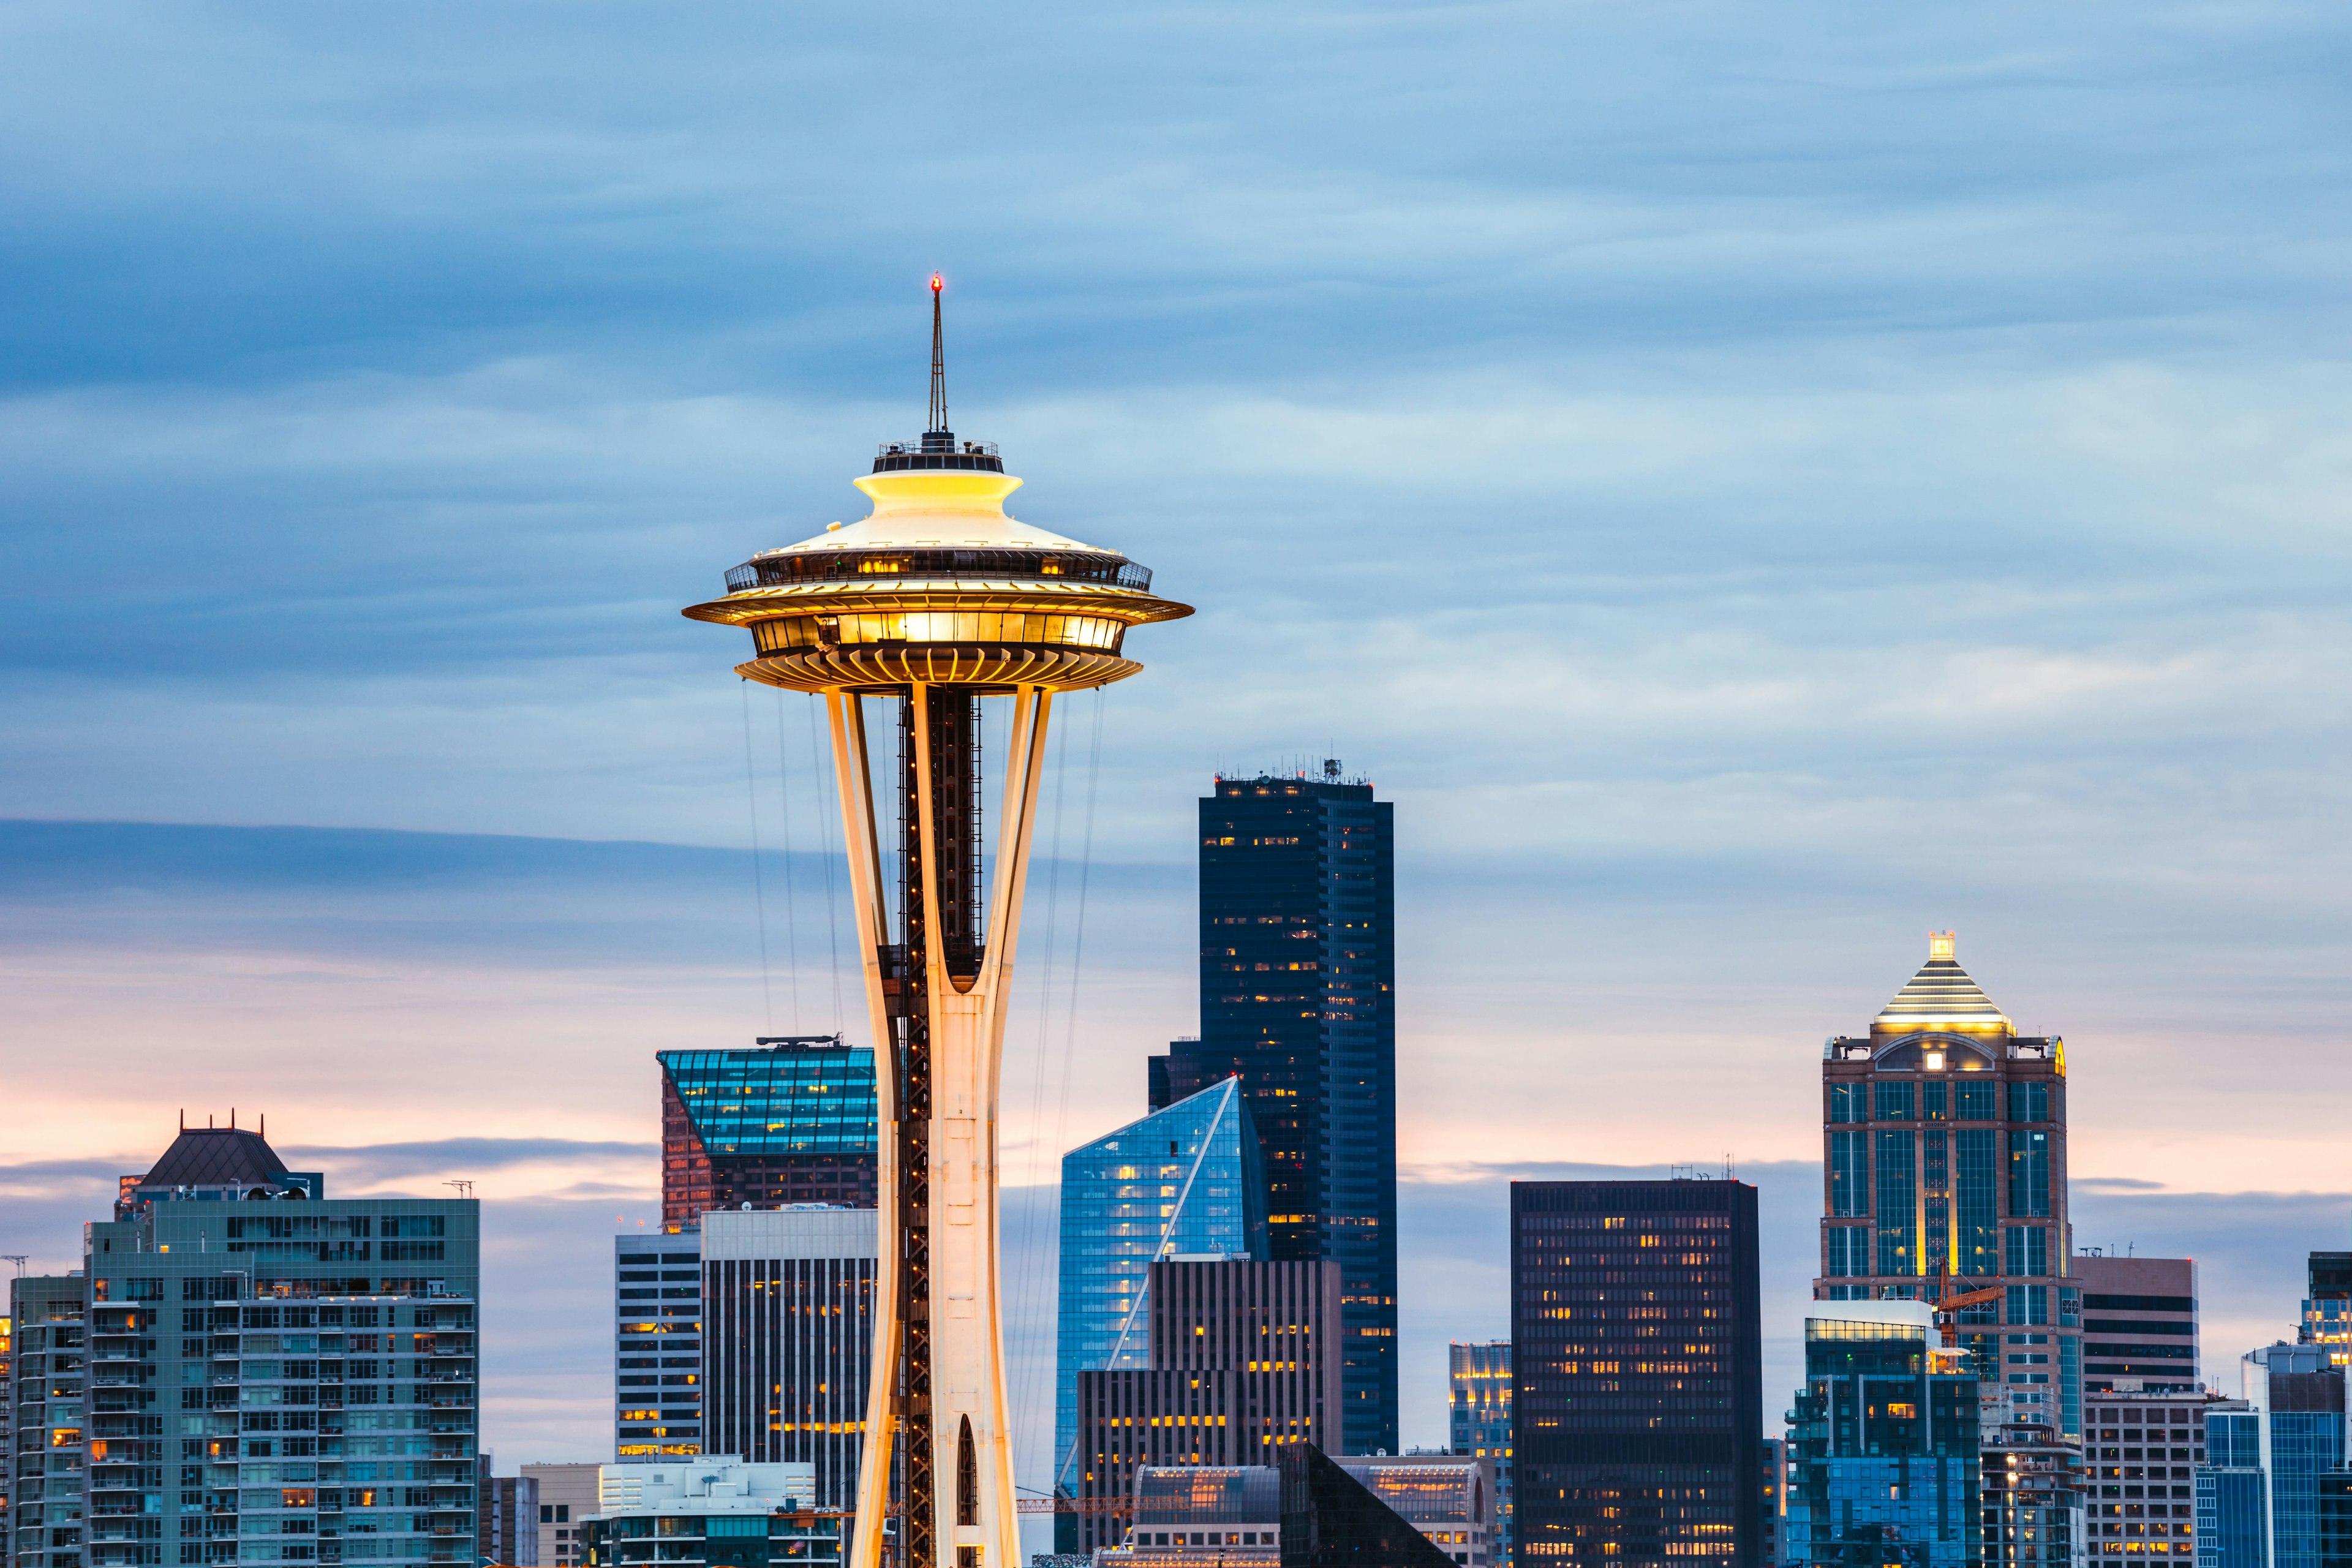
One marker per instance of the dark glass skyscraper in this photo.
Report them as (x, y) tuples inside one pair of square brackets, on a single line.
[(1298, 998), (1637, 1374), (789, 1120)]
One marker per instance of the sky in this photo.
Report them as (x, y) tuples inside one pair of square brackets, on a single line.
[(1752, 484)]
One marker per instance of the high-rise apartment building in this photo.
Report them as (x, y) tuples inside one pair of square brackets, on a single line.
[(1297, 997), (2140, 1324), (1479, 1416), (1943, 1143), (46, 1448), (1184, 1181), (1241, 1370), (2328, 1306), (260, 1368), (789, 1120), (2031, 1490), (1883, 1453), (788, 1338), (657, 1345), (1637, 1372)]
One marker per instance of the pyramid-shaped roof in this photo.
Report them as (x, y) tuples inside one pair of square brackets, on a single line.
[(217, 1156), (1941, 996)]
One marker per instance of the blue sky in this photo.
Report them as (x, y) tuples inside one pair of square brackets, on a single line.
[(1752, 484)]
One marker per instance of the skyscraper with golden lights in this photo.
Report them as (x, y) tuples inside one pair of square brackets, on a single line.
[(906, 621)]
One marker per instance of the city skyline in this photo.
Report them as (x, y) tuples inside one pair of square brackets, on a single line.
[(1905, 517)]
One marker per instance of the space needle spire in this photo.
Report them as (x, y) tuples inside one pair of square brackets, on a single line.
[(904, 622)]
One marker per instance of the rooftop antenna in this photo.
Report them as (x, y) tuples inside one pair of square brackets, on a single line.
[(18, 1259), (939, 426), (464, 1189)]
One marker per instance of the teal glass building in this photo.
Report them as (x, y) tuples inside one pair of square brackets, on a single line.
[(1882, 1448), (1185, 1181), (788, 1120)]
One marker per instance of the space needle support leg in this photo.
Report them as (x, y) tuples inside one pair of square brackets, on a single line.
[(853, 779)]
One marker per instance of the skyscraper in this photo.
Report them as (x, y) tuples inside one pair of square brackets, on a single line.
[(1240, 1371), (920, 614), (1883, 1447), (1479, 1413), (1637, 1372), (47, 1420), (2328, 1306), (2139, 1323), (788, 1338), (1297, 996), (790, 1119), (1944, 1135), (265, 1364), (657, 1346), (1184, 1181)]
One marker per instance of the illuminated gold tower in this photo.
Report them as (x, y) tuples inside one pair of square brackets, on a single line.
[(932, 603)]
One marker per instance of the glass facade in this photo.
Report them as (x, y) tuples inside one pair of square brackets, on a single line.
[(1186, 1179), (1298, 998), (1881, 1450), (2233, 1527), (1637, 1372), (1480, 1410), (790, 1119), (657, 1345), (1898, 1195)]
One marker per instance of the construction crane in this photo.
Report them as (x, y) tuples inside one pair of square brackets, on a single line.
[(1947, 1305)]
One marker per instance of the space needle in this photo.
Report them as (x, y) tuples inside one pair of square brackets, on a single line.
[(914, 616)]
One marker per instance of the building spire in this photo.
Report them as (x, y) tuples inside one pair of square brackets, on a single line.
[(938, 423)]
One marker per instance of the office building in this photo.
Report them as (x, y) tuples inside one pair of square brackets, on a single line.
[(505, 1516), (2328, 1306), (2257, 1497), (1882, 1451), (1240, 1370), (1330, 1519), (2336, 1520), (717, 1512), (1637, 1372), (1214, 1516), (1184, 1181), (2140, 1324), (2032, 1493), (788, 1338), (1944, 1145), (1427, 1512), (265, 1364), (789, 1120), (1448, 1497), (1479, 1416), (2141, 1450), (657, 1344), (46, 1502), (1297, 996), (569, 1496), (1776, 1488)]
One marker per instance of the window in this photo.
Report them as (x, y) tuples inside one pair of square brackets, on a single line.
[(1846, 1102), (1897, 1199), (1848, 1171), (2029, 1172), (2028, 1102), (2029, 1304), (1893, 1103), (1932, 1098), (1977, 1192), (1972, 1101), (2029, 1250), (1849, 1251)]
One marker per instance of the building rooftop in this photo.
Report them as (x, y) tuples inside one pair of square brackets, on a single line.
[(214, 1157), (1940, 997)]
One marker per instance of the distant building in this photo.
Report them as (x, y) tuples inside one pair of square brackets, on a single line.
[(716, 1512), (2140, 1324), (2295, 1427), (2328, 1306), (506, 1514), (2336, 1520), (1944, 1158), (788, 1338), (1428, 1512), (253, 1362), (2141, 1452), (787, 1120), (1883, 1465), (1776, 1487), (657, 1345), (1298, 998), (2031, 1488), (1448, 1497), (1637, 1372), (1332, 1518), (569, 1496), (2232, 1505), (1184, 1181), (1241, 1370), (1479, 1407), (48, 1448)]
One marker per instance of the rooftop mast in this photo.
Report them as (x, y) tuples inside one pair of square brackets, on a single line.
[(939, 424)]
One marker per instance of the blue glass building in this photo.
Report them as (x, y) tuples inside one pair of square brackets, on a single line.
[(1883, 1445), (790, 1119), (2233, 1527), (1182, 1180), (2258, 1492)]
